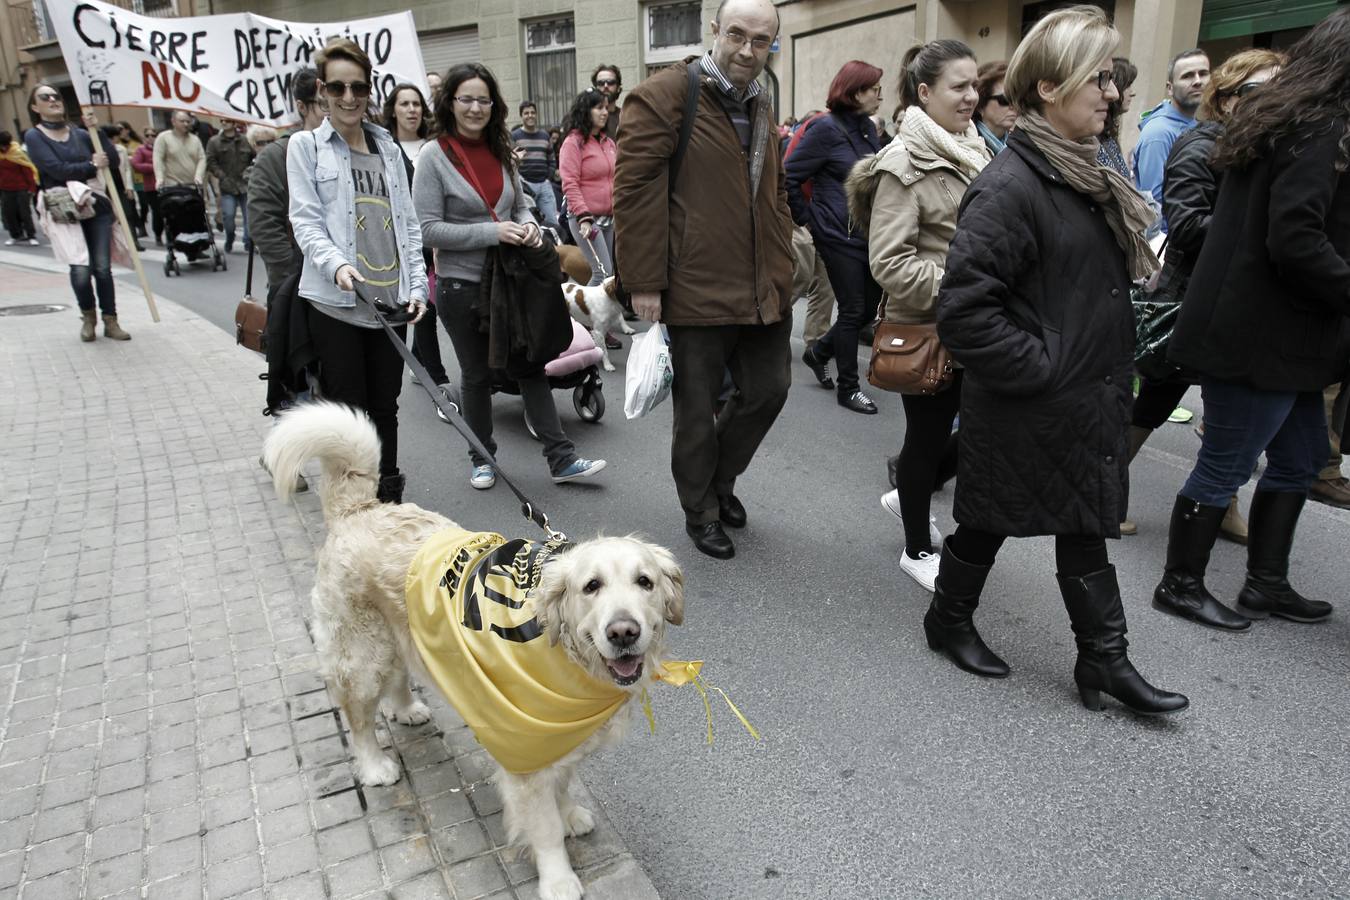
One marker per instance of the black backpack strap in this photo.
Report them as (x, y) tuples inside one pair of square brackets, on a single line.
[(686, 123)]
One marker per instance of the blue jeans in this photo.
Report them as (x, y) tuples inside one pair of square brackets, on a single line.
[(98, 238), (545, 201), (1240, 423), (228, 204)]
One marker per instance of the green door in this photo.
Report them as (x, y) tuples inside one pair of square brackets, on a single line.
[(1239, 18)]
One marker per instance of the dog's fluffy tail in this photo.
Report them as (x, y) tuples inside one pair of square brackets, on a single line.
[(342, 439)]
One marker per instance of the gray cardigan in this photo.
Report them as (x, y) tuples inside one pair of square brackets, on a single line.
[(455, 221)]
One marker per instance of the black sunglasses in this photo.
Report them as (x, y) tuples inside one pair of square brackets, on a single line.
[(605, 81), (1000, 99), (1249, 87), (46, 96), (338, 89)]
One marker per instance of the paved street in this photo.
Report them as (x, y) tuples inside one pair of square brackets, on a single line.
[(154, 597)]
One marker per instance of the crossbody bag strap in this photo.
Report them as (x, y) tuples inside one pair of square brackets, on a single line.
[(686, 123)]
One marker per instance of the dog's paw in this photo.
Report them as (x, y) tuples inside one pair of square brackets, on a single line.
[(561, 887), (382, 771), (625, 328), (415, 713), (609, 366), (579, 821)]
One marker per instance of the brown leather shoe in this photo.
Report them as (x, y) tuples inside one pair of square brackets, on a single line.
[(88, 325), (114, 331), (1335, 492)]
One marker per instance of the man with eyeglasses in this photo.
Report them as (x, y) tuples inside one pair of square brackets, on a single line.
[(1187, 76), (710, 257), (607, 80)]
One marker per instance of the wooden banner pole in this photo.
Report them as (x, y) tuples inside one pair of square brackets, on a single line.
[(110, 186)]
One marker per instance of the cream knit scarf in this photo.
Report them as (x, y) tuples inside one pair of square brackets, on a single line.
[(1128, 214), (965, 151)]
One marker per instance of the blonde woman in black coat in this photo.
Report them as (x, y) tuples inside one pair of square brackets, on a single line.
[(1035, 305)]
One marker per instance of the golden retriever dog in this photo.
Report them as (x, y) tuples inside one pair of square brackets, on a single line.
[(598, 309), (606, 602)]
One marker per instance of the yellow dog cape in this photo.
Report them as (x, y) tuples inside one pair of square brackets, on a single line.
[(477, 629)]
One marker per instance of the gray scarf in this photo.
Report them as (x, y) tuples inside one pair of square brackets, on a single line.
[(1127, 213)]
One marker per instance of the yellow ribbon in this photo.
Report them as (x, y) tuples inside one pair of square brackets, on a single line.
[(682, 672)]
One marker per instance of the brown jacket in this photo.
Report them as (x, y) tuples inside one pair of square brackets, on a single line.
[(717, 258), (913, 218)]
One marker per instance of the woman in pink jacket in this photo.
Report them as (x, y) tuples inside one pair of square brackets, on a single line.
[(586, 164)]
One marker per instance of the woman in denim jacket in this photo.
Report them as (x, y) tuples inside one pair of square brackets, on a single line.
[(352, 213)]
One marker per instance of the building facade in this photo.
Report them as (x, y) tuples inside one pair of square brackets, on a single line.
[(545, 50)]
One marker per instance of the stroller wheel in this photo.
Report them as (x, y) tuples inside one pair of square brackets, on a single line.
[(589, 402)]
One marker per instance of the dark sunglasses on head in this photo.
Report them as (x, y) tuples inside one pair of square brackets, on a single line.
[(1000, 99), (1246, 88), (338, 89)]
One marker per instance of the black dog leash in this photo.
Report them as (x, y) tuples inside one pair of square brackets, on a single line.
[(451, 414)]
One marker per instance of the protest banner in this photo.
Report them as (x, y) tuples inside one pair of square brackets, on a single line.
[(236, 66)]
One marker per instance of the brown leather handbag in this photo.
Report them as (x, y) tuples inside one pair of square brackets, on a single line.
[(250, 316), (908, 359)]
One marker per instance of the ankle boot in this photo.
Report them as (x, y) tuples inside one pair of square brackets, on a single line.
[(1098, 621), (1233, 528), (114, 331), (949, 626), (1182, 590), (1267, 592), (1138, 435), (88, 325), (391, 488)]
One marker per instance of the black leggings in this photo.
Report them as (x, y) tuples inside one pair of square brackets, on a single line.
[(1076, 555), (360, 367), (857, 294), (927, 459), (1156, 401)]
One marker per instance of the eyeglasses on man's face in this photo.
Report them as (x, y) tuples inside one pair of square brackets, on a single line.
[(338, 89), (467, 102), (738, 40)]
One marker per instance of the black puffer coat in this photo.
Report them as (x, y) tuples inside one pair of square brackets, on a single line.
[(1268, 304), (1190, 188), (1036, 305)]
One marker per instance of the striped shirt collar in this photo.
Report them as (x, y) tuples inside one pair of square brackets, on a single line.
[(710, 69)]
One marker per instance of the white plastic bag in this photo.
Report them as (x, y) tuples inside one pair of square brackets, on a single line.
[(647, 373)]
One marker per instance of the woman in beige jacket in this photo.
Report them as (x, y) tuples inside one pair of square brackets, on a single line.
[(919, 181)]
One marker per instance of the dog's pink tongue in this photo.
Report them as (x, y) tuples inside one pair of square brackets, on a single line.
[(626, 666)]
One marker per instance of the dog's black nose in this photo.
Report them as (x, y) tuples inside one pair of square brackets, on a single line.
[(623, 632)]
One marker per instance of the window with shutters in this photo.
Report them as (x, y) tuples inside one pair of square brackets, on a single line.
[(551, 67), (673, 31)]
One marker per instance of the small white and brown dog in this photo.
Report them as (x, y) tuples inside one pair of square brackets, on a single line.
[(596, 307), (605, 603)]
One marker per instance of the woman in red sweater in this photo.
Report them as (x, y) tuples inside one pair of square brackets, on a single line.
[(586, 164)]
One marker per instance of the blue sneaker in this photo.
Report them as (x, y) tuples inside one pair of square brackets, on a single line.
[(578, 468), (482, 477)]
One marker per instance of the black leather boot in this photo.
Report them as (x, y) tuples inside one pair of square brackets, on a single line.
[(1271, 523), (949, 625), (1098, 621), (391, 488), (1182, 590)]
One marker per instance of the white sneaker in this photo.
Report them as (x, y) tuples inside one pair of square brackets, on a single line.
[(891, 503), (9, 242), (34, 242), (924, 570)]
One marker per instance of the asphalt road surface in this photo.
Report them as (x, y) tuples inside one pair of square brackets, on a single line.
[(883, 770)]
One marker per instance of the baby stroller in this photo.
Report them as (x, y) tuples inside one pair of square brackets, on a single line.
[(187, 228), (576, 368)]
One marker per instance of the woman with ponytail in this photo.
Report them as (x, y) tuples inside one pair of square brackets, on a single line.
[(823, 158), (919, 181), (1035, 304)]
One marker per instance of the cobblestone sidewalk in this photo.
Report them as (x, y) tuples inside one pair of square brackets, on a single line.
[(162, 729)]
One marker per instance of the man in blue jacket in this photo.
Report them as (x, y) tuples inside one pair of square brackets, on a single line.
[(1187, 76)]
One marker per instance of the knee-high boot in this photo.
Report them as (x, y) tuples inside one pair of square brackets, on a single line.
[(1267, 592), (1098, 620)]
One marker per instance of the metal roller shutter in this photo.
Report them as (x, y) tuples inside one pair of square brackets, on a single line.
[(443, 49)]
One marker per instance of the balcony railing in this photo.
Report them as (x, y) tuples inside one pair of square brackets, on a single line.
[(32, 25)]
